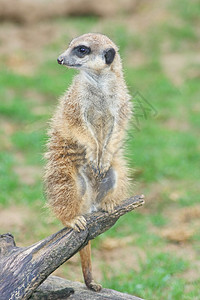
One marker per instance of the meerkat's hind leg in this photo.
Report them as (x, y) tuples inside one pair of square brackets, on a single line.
[(82, 184), (106, 185), (86, 264), (79, 222), (120, 189)]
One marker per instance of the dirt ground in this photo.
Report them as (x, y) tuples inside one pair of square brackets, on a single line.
[(26, 11)]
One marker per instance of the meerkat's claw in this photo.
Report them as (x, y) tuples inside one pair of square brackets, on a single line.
[(94, 286), (108, 207), (96, 171), (104, 170), (103, 174), (78, 224)]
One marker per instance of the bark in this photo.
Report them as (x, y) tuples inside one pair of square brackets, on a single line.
[(22, 270)]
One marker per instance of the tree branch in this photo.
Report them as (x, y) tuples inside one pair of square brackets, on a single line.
[(22, 270)]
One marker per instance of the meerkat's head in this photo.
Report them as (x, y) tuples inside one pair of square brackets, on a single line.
[(91, 52)]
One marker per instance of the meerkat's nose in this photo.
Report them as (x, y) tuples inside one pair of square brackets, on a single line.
[(60, 60)]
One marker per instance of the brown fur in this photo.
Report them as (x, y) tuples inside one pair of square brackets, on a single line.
[(86, 135)]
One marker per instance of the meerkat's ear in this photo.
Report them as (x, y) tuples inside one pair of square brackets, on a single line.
[(109, 55)]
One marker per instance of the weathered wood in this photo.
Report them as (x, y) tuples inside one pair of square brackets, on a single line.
[(22, 270), (57, 288)]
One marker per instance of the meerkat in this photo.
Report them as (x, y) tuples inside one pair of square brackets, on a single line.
[(86, 170)]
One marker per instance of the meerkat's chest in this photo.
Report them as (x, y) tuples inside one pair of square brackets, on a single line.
[(100, 119)]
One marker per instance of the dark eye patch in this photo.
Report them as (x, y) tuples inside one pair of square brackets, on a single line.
[(81, 51)]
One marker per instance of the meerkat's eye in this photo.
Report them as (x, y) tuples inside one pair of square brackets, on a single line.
[(81, 51)]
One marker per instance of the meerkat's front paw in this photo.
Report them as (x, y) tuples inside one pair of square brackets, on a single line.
[(79, 223), (100, 171), (108, 206), (95, 169), (96, 172), (93, 163), (104, 169), (104, 165)]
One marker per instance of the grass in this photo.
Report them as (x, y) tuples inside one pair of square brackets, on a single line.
[(156, 283), (162, 147)]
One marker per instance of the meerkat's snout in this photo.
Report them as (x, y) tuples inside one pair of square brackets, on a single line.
[(60, 60), (74, 57), (68, 60)]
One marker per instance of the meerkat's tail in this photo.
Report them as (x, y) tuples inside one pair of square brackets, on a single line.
[(86, 264)]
